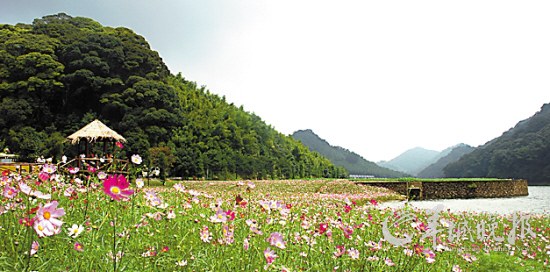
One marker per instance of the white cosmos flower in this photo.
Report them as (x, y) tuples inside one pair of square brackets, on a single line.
[(182, 263), (139, 183), (136, 159), (75, 230)]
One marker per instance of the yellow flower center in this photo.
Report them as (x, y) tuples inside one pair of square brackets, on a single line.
[(40, 228), (47, 215), (115, 190)]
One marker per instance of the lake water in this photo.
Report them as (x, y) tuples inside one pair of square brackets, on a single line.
[(537, 202)]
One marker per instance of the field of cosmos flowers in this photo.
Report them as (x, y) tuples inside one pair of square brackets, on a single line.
[(93, 221)]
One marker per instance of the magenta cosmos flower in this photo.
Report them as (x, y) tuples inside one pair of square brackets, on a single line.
[(116, 186), (46, 221)]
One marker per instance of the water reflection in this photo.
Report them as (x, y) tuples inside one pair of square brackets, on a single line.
[(537, 202)]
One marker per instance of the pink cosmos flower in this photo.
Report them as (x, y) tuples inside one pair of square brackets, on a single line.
[(228, 234), (152, 198), (68, 192), (419, 226), (41, 195), (429, 255), (246, 243), (353, 253), (34, 247), (205, 234), (116, 186), (269, 255), (179, 187), (375, 246), (73, 170), (348, 231), (373, 259), (78, 247), (276, 239), (101, 175), (10, 192), (29, 191), (49, 168), (119, 145), (340, 250), (46, 222), (374, 202), (47, 171), (219, 217), (469, 258), (389, 262)]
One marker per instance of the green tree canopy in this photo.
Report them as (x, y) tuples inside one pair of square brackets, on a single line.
[(61, 72)]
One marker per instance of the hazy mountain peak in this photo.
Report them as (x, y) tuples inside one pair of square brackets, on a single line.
[(412, 161), (339, 156)]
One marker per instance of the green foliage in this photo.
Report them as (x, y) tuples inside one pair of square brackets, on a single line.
[(522, 152), (352, 162), (221, 141), (62, 72), (163, 158), (501, 262)]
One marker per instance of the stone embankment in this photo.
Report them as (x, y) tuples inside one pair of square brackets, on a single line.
[(455, 189)]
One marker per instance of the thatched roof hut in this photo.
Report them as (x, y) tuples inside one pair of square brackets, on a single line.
[(86, 138), (95, 131)]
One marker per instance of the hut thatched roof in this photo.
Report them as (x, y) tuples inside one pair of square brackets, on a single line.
[(94, 131)]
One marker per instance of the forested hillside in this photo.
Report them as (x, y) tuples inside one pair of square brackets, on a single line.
[(521, 152), (340, 156), (61, 72)]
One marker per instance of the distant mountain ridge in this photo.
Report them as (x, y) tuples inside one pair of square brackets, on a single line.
[(413, 160), (435, 170), (521, 152), (339, 156)]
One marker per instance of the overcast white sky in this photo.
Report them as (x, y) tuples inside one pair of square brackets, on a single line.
[(375, 77)]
